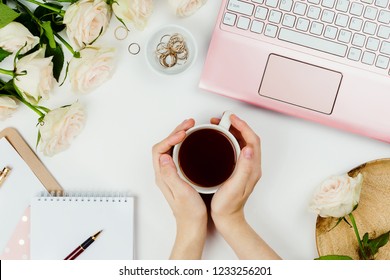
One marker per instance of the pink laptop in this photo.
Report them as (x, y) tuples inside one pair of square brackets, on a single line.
[(323, 60)]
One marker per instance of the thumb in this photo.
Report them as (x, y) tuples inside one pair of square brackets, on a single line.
[(167, 166), (244, 168)]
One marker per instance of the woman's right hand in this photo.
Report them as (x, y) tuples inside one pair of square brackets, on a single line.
[(227, 204)]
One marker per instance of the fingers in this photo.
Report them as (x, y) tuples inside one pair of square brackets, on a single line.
[(248, 171), (170, 176), (248, 167), (168, 170), (215, 120), (247, 133), (185, 125), (177, 135), (243, 133), (249, 163), (165, 146)]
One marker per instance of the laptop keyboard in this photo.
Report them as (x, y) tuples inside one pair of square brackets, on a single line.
[(355, 31)]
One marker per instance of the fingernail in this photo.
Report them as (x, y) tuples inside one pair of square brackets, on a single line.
[(164, 159), (248, 153)]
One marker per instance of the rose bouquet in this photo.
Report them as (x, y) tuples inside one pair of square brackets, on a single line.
[(30, 37), (33, 36), (337, 197)]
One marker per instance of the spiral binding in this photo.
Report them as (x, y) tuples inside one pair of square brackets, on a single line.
[(84, 196)]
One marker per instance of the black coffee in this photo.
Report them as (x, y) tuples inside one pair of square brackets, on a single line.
[(207, 157)]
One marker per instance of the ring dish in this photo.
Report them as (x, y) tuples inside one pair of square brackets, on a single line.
[(171, 61)]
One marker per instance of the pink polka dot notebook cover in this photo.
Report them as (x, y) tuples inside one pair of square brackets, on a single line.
[(18, 247)]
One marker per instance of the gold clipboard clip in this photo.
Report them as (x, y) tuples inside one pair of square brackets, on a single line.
[(32, 160), (3, 174)]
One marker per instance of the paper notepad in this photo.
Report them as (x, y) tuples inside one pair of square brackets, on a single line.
[(61, 223)]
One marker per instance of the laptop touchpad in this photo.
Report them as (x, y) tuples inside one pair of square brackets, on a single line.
[(301, 84)]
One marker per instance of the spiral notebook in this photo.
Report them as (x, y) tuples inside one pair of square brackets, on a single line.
[(61, 223)]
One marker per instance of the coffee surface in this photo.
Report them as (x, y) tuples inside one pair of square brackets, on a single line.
[(207, 157)]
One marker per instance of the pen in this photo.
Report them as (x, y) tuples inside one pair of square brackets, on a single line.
[(76, 252)]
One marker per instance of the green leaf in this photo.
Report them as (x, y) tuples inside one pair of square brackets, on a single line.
[(66, 73), (338, 221), (48, 31), (121, 21), (94, 40), (372, 246), (38, 138), (29, 23), (58, 59), (345, 220), (334, 257), (7, 88), (4, 54), (381, 240), (365, 239), (7, 15), (45, 14)]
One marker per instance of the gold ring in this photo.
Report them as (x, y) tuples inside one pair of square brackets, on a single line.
[(172, 51), (121, 32), (168, 60)]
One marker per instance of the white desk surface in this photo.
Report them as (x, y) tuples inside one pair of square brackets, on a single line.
[(137, 108)]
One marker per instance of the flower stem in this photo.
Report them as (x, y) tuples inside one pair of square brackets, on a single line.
[(67, 45), (58, 11), (357, 235), (7, 72), (20, 97), (32, 107)]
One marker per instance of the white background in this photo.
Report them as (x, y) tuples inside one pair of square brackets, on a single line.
[(138, 107)]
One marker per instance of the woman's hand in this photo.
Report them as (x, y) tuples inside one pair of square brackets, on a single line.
[(187, 205), (228, 202), (227, 205)]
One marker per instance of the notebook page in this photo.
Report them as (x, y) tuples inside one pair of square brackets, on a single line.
[(60, 224), (16, 192)]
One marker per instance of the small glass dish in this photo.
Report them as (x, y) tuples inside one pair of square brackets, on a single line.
[(167, 60)]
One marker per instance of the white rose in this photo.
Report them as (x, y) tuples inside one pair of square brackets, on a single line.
[(185, 8), (136, 12), (337, 196), (34, 76), (93, 68), (59, 128), (7, 106), (14, 36), (85, 20)]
